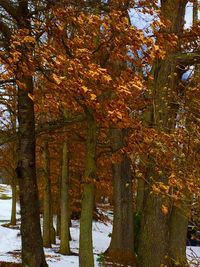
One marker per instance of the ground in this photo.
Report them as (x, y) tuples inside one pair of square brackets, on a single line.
[(10, 242)]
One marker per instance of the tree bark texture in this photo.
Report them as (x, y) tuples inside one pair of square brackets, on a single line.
[(122, 241), (86, 258), (64, 202), (154, 239), (177, 235), (47, 209), (32, 244)]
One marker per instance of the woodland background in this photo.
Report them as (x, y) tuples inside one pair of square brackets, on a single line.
[(98, 112)]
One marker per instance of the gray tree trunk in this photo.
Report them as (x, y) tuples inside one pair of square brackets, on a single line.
[(64, 202)]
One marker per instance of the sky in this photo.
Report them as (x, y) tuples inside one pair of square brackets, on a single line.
[(142, 21)]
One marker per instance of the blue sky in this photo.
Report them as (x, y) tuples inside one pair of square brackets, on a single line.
[(142, 21)]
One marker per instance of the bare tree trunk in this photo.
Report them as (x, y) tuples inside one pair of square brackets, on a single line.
[(32, 244), (86, 258), (58, 215), (47, 212), (140, 195), (121, 248), (14, 201), (64, 201), (58, 222), (195, 11), (178, 234), (154, 237)]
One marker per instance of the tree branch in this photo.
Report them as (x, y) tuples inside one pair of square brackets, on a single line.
[(9, 136), (9, 8), (7, 81), (190, 58), (4, 29)]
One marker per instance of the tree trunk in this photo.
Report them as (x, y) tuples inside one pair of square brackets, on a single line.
[(58, 215), (32, 245), (178, 235), (86, 258), (195, 12), (53, 230), (47, 213), (64, 200), (154, 235), (58, 223), (154, 238), (14, 201), (140, 195), (121, 247)]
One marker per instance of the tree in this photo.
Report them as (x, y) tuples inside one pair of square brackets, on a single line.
[(160, 213), (64, 202), (19, 57)]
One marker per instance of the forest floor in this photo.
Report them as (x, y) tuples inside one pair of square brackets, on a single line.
[(10, 241)]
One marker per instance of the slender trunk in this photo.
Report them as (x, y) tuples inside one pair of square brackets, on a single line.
[(121, 247), (53, 230), (64, 201), (47, 213), (14, 201), (32, 245), (138, 213), (86, 258), (58, 223), (58, 215)]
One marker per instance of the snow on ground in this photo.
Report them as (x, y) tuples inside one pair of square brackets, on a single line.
[(10, 241), (6, 204)]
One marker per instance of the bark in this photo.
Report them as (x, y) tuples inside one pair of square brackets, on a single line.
[(138, 213), (86, 258), (154, 236), (178, 235), (154, 239), (32, 245), (121, 247), (195, 12), (180, 212), (47, 212), (58, 215), (58, 223), (140, 195), (64, 201), (53, 230)]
